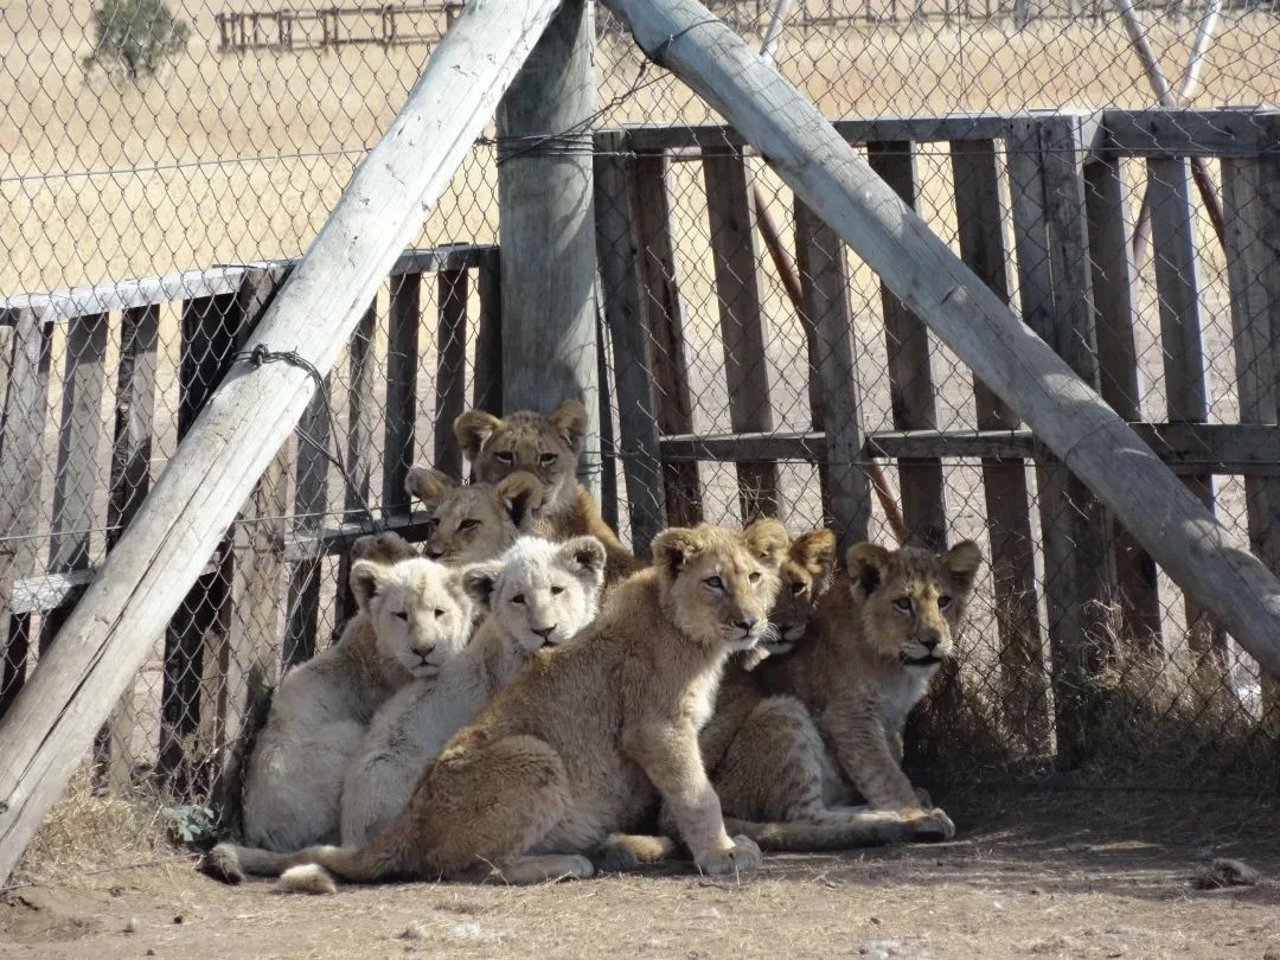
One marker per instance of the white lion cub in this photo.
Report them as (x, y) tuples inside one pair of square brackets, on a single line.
[(413, 617), (538, 594)]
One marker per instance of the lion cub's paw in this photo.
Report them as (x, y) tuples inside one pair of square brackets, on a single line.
[(929, 826), (743, 855), (222, 863)]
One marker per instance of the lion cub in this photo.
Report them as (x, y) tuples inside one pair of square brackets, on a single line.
[(548, 447), (537, 596), (584, 742), (874, 642), (474, 522), (412, 617)]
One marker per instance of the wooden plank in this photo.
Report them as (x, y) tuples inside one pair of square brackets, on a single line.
[(1079, 560), (833, 376), (79, 439), (1179, 133), (1024, 682), (89, 301), (911, 393), (664, 322), (451, 367), (310, 505), (1251, 204), (616, 206), (487, 384), (743, 332), (1110, 228), (196, 497), (545, 198), (130, 481), (1182, 349), (401, 410), (22, 467), (356, 484)]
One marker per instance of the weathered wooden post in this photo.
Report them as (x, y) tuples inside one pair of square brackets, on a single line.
[(50, 726), (1072, 421), (547, 228)]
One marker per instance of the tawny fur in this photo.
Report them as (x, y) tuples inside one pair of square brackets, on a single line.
[(319, 714), (468, 524), (874, 642), (588, 738), (549, 447), (537, 595)]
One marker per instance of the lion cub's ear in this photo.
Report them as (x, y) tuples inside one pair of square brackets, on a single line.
[(521, 492), (815, 552), (585, 557), (386, 547), (570, 421), (480, 581), (473, 428), (676, 547), (867, 564), (767, 540), (962, 562), (367, 578), (428, 485)]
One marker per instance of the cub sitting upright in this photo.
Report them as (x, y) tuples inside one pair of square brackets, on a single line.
[(538, 595), (548, 447), (874, 642), (413, 616), (474, 522)]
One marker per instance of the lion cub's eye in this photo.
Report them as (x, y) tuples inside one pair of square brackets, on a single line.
[(903, 604), (715, 583), (943, 602), (402, 615), (439, 613), (797, 589), (754, 577), (504, 456), (547, 459), (468, 524), (518, 599), (556, 591)]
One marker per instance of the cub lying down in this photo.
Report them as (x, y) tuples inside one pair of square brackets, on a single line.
[(538, 595), (293, 781), (588, 738)]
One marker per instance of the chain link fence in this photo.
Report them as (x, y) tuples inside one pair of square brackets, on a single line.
[(153, 192)]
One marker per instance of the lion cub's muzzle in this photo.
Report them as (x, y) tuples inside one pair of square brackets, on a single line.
[(933, 649), (746, 633)]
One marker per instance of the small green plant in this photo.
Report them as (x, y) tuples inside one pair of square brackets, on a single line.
[(135, 37), (191, 825)]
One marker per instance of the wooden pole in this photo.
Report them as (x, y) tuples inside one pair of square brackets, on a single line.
[(547, 229), (1039, 387), (46, 732)]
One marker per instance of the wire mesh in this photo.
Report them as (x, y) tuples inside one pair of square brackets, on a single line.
[(160, 159)]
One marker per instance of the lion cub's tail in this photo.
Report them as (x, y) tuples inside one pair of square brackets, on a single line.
[(857, 830), (306, 871)]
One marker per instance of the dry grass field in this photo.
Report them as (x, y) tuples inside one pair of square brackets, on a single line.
[(226, 159)]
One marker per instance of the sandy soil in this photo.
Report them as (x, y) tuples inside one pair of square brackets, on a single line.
[(1045, 875)]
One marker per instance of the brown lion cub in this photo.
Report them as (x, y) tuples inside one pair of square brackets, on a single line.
[(548, 447), (584, 743), (874, 642), (477, 522)]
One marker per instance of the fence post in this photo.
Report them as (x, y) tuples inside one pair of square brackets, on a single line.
[(547, 228)]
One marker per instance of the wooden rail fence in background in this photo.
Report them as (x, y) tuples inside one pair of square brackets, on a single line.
[(287, 31)]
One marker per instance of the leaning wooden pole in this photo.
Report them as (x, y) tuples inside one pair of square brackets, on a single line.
[(48, 728), (1068, 417)]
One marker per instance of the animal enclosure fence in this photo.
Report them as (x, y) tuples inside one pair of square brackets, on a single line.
[(288, 31)]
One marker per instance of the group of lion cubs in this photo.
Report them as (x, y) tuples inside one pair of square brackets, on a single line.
[(525, 700)]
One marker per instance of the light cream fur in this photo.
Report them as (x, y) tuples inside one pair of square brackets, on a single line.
[(549, 447), (475, 522), (537, 595), (586, 740), (413, 616)]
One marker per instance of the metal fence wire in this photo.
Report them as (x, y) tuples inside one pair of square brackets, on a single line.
[(164, 163)]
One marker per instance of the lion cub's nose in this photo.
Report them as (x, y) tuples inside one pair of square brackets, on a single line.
[(930, 639), (747, 625), (423, 649), (545, 632)]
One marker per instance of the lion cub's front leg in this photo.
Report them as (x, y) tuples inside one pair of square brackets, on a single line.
[(669, 756), (866, 753)]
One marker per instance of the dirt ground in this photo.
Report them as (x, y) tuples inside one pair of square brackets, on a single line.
[(1032, 874)]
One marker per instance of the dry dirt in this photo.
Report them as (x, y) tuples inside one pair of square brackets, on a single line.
[(1033, 874)]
